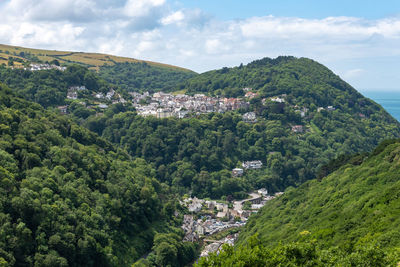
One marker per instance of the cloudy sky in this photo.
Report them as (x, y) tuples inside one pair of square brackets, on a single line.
[(360, 40)]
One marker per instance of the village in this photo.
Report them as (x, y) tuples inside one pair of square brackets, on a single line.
[(208, 217), (164, 105), (44, 66)]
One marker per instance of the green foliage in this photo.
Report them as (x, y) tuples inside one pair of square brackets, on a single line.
[(196, 152), (140, 77), (355, 206), (168, 250), (298, 254), (50, 87), (67, 196)]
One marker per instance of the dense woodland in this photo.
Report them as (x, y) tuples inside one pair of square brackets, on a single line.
[(197, 153), (304, 253), (49, 87), (141, 77), (85, 189), (350, 217), (70, 198)]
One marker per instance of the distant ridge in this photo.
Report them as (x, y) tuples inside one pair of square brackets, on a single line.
[(90, 60)]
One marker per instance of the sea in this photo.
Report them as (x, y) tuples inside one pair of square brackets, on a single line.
[(389, 100)]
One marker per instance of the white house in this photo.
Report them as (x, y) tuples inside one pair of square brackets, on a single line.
[(255, 164), (262, 191)]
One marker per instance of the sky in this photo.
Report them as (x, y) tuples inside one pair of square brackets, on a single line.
[(358, 40)]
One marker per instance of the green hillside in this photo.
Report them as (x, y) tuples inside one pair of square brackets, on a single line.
[(70, 198), (353, 205), (340, 218), (270, 77), (198, 153), (142, 77)]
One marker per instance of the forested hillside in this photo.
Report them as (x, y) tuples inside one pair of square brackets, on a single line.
[(50, 87), (98, 185), (140, 77), (199, 152), (299, 77), (351, 217), (359, 203), (70, 198)]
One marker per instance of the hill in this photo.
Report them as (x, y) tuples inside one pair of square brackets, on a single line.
[(305, 115), (352, 216), (69, 197), (358, 203), (128, 74), (90, 60)]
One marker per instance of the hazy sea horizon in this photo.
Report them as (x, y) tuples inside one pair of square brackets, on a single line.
[(389, 100)]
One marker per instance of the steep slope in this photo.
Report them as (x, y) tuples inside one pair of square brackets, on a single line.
[(270, 77), (306, 116), (349, 218), (355, 205), (142, 77), (67, 196), (49, 88)]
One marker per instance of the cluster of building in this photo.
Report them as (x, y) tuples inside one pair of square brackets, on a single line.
[(195, 229), (303, 112), (103, 99), (111, 95), (73, 91), (37, 66), (215, 245), (214, 216), (162, 105), (247, 165)]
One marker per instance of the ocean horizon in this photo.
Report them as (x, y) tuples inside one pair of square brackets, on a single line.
[(389, 100)]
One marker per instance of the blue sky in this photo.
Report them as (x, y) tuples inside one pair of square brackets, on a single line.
[(358, 40), (234, 9)]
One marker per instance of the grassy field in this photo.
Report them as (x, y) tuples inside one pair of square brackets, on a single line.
[(91, 60)]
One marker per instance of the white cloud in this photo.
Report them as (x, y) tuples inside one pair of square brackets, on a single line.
[(156, 30), (141, 8), (175, 17), (76, 10), (343, 28)]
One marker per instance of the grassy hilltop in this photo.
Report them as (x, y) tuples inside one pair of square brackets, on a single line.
[(90, 60)]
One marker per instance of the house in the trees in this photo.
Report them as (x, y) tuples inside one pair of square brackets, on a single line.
[(249, 117), (72, 95), (297, 128), (237, 172), (255, 164), (250, 95), (63, 109)]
